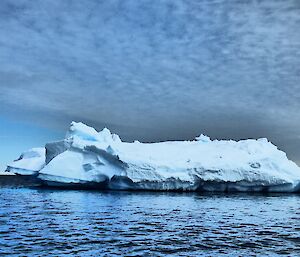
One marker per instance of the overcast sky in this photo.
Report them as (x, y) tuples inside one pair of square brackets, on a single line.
[(150, 70)]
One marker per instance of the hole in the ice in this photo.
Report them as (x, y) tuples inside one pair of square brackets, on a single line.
[(255, 165)]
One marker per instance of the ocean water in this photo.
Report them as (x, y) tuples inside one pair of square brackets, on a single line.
[(43, 222)]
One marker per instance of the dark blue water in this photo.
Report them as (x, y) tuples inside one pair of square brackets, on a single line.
[(35, 222)]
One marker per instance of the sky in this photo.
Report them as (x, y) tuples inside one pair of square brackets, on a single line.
[(150, 70)]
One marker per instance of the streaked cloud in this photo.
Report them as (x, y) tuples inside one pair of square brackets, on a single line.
[(155, 70)]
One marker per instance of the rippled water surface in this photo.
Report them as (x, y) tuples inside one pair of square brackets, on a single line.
[(36, 222)]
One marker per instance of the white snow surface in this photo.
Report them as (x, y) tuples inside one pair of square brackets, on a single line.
[(201, 164), (29, 163)]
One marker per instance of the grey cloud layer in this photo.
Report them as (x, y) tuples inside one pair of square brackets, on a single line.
[(155, 70)]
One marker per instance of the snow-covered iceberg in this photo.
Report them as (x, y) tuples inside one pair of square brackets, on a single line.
[(88, 158), (29, 162)]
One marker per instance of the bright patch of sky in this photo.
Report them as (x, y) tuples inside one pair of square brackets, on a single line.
[(16, 137)]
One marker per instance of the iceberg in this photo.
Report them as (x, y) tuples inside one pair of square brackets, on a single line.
[(29, 162), (90, 159)]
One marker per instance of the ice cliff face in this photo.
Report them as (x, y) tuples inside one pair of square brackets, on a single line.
[(100, 159)]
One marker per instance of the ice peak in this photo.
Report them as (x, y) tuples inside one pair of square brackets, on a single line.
[(82, 131), (85, 132), (104, 135), (203, 138)]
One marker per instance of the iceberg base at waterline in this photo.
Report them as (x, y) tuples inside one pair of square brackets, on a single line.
[(100, 160)]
